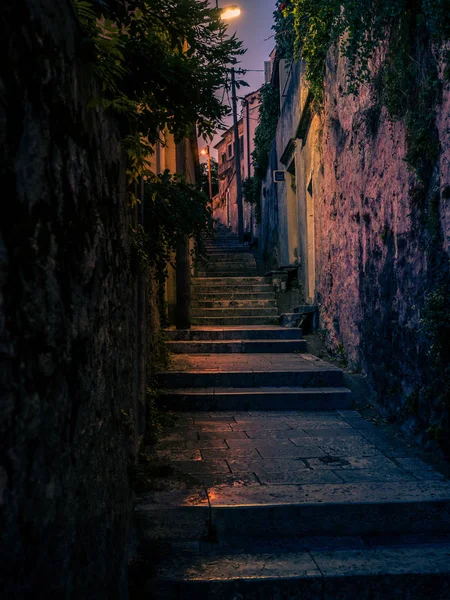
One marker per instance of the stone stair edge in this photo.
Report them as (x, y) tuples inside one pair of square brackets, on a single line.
[(256, 390), (314, 574)]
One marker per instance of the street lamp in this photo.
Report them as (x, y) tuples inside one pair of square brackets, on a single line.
[(229, 12), (206, 152)]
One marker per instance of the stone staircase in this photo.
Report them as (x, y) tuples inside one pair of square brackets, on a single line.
[(274, 488), (227, 291)]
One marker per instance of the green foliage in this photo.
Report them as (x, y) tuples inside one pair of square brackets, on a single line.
[(411, 30), (284, 30), (174, 208), (264, 134), (251, 191), (204, 181), (435, 325), (143, 49)]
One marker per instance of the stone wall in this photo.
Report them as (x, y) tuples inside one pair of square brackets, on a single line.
[(380, 249), (67, 319), (369, 247)]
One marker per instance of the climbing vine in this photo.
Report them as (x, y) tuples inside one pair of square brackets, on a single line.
[(435, 324), (411, 32), (264, 135)]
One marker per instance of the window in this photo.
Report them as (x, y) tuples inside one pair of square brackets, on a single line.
[(241, 146), (230, 150), (224, 157)]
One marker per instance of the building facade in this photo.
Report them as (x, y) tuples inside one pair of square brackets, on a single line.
[(225, 203)]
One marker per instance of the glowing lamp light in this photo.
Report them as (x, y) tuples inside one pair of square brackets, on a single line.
[(230, 12), (203, 151)]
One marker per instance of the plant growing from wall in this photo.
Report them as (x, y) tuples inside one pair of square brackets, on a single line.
[(264, 134), (435, 325), (411, 30)]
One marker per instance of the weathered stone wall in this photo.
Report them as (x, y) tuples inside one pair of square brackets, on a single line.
[(379, 249), (369, 247), (67, 319)]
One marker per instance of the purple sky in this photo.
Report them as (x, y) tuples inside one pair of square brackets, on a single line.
[(252, 27)]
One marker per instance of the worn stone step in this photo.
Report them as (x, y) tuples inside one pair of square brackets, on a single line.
[(263, 398), (389, 573), (245, 262), (234, 290), (228, 333), (225, 242), (230, 257), (284, 511), (228, 346), (234, 312), (234, 321), (230, 281), (228, 266), (228, 296), (223, 273), (225, 249), (250, 370), (234, 303)]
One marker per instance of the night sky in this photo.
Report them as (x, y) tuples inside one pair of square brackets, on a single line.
[(252, 27)]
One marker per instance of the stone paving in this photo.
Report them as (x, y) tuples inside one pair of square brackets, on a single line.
[(312, 502), (286, 448)]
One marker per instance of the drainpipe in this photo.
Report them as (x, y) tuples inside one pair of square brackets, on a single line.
[(237, 159), (247, 118)]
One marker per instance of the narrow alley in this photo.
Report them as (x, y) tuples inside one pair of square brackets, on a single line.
[(225, 300), (277, 488)]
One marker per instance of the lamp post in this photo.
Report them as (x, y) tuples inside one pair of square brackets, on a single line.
[(206, 152), (229, 12), (237, 159)]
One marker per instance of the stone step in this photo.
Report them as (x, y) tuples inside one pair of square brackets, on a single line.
[(231, 281), (223, 273), (230, 257), (242, 345), (225, 242), (273, 512), (200, 290), (234, 312), (234, 321), (234, 303), (229, 296), (256, 333), (395, 572), (249, 371), (224, 248), (264, 398), (228, 265)]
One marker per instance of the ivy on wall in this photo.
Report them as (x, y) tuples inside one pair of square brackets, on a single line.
[(264, 135), (413, 31)]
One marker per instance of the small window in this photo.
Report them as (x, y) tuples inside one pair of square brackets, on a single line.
[(241, 145), (230, 150), (224, 157)]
